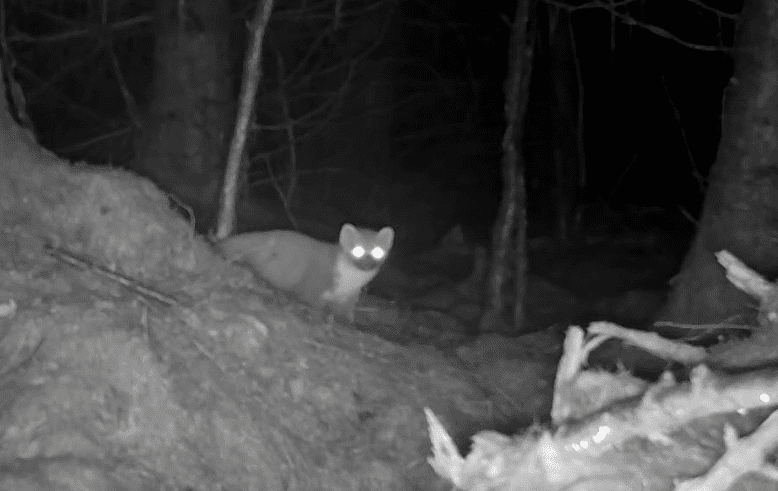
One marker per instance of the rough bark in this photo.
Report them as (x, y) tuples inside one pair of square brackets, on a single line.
[(740, 212), (509, 236), (182, 145)]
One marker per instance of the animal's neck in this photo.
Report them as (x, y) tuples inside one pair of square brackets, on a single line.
[(348, 278)]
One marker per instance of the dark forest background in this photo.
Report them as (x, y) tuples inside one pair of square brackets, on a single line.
[(398, 110)]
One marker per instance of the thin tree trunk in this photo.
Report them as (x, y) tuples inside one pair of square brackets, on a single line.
[(565, 119), (740, 213), (509, 234), (237, 164)]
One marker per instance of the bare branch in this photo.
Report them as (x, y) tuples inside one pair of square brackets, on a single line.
[(612, 7), (79, 33), (251, 76)]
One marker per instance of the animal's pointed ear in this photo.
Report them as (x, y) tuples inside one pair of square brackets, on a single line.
[(348, 236), (386, 237)]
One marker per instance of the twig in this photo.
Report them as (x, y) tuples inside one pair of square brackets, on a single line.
[(129, 100), (126, 25), (704, 327), (287, 197), (129, 283), (306, 172)]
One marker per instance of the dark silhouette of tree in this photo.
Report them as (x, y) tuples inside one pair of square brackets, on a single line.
[(740, 212)]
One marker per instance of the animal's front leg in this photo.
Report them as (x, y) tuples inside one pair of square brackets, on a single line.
[(346, 308)]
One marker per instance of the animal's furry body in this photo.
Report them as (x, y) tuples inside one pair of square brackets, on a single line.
[(319, 273)]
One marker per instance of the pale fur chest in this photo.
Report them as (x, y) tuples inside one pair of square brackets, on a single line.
[(347, 281)]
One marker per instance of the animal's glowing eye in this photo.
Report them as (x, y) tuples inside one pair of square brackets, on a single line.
[(358, 252), (377, 253)]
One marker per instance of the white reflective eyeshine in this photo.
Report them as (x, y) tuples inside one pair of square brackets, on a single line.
[(602, 434), (598, 438), (358, 252), (377, 253)]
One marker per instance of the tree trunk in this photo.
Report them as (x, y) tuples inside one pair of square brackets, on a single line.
[(740, 212), (565, 120), (182, 146), (510, 228)]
